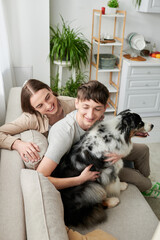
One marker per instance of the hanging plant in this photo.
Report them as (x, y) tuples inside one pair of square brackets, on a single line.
[(137, 3)]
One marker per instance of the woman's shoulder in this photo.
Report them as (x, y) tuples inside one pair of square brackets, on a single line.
[(67, 103), (38, 122), (66, 98)]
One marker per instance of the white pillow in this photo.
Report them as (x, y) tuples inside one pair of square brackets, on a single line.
[(44, 213), (39, 139)]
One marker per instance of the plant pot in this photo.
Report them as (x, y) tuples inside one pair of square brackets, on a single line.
[(110, 10)]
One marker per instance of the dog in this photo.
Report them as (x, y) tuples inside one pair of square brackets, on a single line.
[(84, 204)]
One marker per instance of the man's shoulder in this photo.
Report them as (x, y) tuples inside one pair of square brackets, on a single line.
[(66, 123)]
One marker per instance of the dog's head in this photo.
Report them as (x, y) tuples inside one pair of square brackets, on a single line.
[(131, 125)]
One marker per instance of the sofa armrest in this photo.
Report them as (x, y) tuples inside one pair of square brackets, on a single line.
[(156, 235)]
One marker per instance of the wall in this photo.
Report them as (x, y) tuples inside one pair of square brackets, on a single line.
[(28, 29), (80, 14)]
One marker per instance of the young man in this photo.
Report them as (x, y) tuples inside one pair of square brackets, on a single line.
[(91, 104)]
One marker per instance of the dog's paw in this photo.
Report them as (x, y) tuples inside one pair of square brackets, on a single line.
[(111, 202), (123, 186)]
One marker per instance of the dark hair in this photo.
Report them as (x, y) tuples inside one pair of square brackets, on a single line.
[(30, 87), (93, 90)]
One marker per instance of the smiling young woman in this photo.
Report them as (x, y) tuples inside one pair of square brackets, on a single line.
[(41, 108)]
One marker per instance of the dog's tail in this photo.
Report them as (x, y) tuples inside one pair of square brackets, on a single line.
[(86, 216)]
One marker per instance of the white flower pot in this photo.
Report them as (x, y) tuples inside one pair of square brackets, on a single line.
[(110, 10)]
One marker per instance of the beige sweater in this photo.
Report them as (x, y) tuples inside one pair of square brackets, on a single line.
[(29, 121)]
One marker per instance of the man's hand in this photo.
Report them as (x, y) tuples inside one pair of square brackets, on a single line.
[(27, 150), (112, 157), (87, 175)]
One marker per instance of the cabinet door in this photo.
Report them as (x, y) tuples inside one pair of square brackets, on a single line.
[(143, 102)]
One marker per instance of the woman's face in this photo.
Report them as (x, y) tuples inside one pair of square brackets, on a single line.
[(44, 102)]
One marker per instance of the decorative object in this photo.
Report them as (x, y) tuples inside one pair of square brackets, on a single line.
[(68, 44), (103, 10), (112, 6), (106, 61), (138, 58)]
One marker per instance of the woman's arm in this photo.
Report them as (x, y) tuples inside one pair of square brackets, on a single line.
[(47, 166), (26, 121)]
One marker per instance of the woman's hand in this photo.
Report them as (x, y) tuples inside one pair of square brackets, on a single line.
[(27, 150), (87, 175), (112, 157)]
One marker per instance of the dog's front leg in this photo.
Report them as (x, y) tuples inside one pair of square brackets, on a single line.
[(111, 202), (123, 186)]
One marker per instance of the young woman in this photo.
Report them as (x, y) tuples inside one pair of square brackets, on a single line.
[(41, 109)]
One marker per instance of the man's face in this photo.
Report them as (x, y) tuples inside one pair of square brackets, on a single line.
[(89, 112)]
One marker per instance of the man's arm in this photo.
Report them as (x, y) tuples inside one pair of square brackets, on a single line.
[(47, 166)]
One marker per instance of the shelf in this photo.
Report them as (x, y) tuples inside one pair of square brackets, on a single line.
[(111, 15), (111, 89), (112, 78), (109, 108), (100, 70), (117, 43)]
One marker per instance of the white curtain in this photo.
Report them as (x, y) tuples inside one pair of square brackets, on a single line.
[(6, 76)]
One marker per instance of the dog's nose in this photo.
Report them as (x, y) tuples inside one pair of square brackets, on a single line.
[(152, 126)]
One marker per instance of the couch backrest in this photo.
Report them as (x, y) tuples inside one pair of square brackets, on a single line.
[(14, 104)]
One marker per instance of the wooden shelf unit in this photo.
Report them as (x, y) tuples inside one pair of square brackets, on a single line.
[(96, 41)]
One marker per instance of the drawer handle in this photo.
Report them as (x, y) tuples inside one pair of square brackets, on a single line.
[(144, 103), (148, 72), (146, 85)]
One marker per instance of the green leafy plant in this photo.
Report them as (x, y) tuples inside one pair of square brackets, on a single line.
[(137, 3), (68, 44), (70, 89), (113, 4)]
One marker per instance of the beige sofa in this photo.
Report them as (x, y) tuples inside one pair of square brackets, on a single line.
[(31, 208)]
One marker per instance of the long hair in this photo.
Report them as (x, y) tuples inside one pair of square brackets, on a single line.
[(31, 87)]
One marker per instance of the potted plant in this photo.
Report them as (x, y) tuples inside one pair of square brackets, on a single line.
[(71, 86), (112, 6), (68, 44)]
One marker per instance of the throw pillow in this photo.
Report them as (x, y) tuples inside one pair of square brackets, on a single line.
[(43, 207), (39, 139)]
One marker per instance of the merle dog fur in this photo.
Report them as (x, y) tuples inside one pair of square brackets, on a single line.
[(83, 203)]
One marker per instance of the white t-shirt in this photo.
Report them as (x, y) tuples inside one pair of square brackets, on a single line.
[(62, 136)]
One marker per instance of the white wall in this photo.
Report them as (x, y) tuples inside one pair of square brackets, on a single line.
[(80, 13), (28, 28)]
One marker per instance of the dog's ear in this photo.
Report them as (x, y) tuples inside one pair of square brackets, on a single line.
[(124, 112)]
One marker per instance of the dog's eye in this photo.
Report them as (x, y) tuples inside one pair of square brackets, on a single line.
[(141, 124)]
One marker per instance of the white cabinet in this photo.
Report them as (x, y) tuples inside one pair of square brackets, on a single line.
[(152, 6), (140, 87)]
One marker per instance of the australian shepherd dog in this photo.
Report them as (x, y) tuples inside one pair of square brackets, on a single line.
[(84, 204)]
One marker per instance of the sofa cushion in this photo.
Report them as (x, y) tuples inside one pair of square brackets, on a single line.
[(43, 207), (37, 138)]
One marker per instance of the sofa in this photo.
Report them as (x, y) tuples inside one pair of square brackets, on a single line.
[(31, 208)]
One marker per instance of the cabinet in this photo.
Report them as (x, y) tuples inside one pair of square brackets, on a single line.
[(111, 25), (140, 87), (152, 6)]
